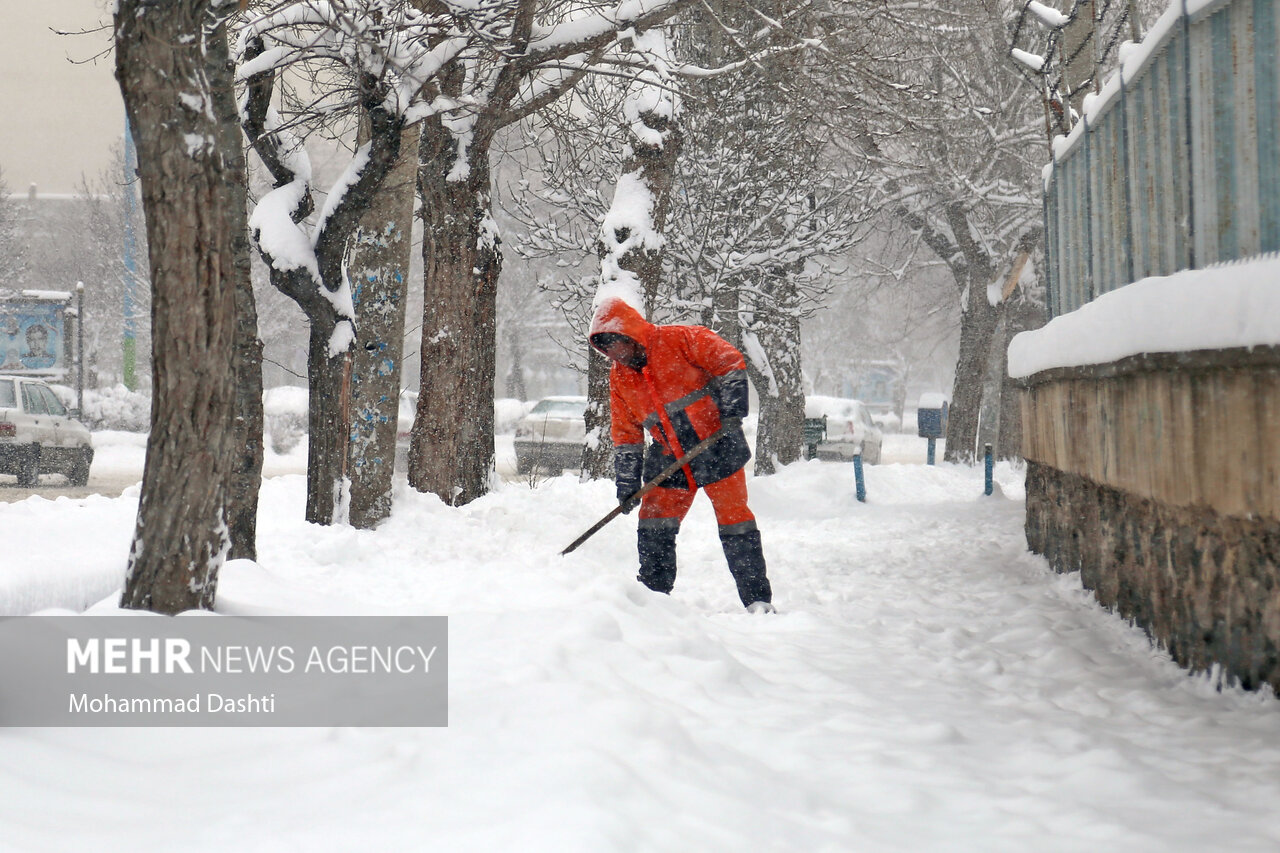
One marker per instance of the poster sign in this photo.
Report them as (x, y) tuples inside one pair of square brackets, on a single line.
[(32, 336)]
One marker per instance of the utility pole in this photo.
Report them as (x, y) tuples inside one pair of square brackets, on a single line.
[(130, 342), (80, 348), (1080, 54)]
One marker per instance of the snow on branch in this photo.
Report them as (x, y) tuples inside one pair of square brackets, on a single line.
[(599, 29), (1030, 60), (1048, 16)]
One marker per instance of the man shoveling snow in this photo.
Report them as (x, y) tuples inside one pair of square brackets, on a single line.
[(683, 384)]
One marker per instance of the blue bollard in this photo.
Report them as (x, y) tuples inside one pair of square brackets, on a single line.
[(990, 464), (932, 442), (860, 486)]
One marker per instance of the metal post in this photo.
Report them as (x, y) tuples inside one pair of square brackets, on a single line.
[(1127, 179), (989, 485), (130, 337), (1091, 288), (932, 446), (80, 348), (860, 487), (1190, 125)]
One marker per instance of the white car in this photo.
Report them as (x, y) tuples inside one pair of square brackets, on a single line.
[(38, 436), (552, 435), (849, 429)]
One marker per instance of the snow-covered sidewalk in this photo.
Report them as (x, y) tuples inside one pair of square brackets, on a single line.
[(928, 685)]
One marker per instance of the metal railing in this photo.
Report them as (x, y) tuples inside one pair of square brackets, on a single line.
[(1176, 163)]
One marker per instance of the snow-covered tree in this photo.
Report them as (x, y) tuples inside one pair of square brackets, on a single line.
[(12, 249), (761, 212), (529, 55), (632, 240), (383, 55), (754, 206), (953, 146), (114, 288)]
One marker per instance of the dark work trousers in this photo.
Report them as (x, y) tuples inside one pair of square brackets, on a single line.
[(661, 513)]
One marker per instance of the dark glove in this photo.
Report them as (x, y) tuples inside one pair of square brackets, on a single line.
[(628, 502), (628, 463), (731, 423), (730, 394)]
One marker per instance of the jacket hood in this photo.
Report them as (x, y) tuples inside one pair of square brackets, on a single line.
[(615, 316)]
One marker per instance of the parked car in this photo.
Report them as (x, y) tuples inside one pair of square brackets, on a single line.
[(849, 428), (552, 435), (38, 436)]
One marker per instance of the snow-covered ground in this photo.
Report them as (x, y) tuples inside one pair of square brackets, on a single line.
[(927, 685)]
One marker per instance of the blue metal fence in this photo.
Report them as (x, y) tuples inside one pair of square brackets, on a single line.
[(1176, 164)]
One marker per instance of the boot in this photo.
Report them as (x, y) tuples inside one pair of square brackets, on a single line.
[(746, 562), (657, 546)]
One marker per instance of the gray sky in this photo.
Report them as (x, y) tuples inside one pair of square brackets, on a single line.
[(60, 118)]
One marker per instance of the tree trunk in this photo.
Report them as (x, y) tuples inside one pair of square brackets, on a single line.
[(977, 325), (451, 449), (515, 378), (597, 455), (780, 426), (379, 269), (181, 537), (328, 422), (246, 482)]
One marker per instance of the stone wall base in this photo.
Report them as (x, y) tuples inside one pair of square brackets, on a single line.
[(1206, 587)]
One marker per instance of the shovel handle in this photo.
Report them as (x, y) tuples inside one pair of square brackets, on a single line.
[(648, 487)]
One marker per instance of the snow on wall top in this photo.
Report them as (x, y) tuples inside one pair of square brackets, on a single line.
[(1234, 305)]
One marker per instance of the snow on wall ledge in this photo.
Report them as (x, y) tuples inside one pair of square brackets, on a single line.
[(1233, 305)]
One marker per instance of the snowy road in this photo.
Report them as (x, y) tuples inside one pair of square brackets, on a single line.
[(928, 685)]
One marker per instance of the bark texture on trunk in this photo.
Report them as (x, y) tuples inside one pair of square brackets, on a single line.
[(328, 420), (246, 482), (515, 378), (977, 326), (451, 447), (975, 273), (597, 455), (379, 269), (181, 538), (780, 430)]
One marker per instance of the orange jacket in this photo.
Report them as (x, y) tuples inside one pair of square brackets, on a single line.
[(692, 379)]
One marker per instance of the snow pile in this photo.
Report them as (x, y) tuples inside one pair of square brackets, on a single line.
[(506, 411), (116, 408), (119, 454), (284, 400), (928, 685), (932, 400), (284, 413), (1235, 305)]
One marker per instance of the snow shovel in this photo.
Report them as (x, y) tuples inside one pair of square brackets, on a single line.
[(649, 487)]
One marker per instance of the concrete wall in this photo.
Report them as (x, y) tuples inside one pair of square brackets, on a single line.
[(1158, 479)]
